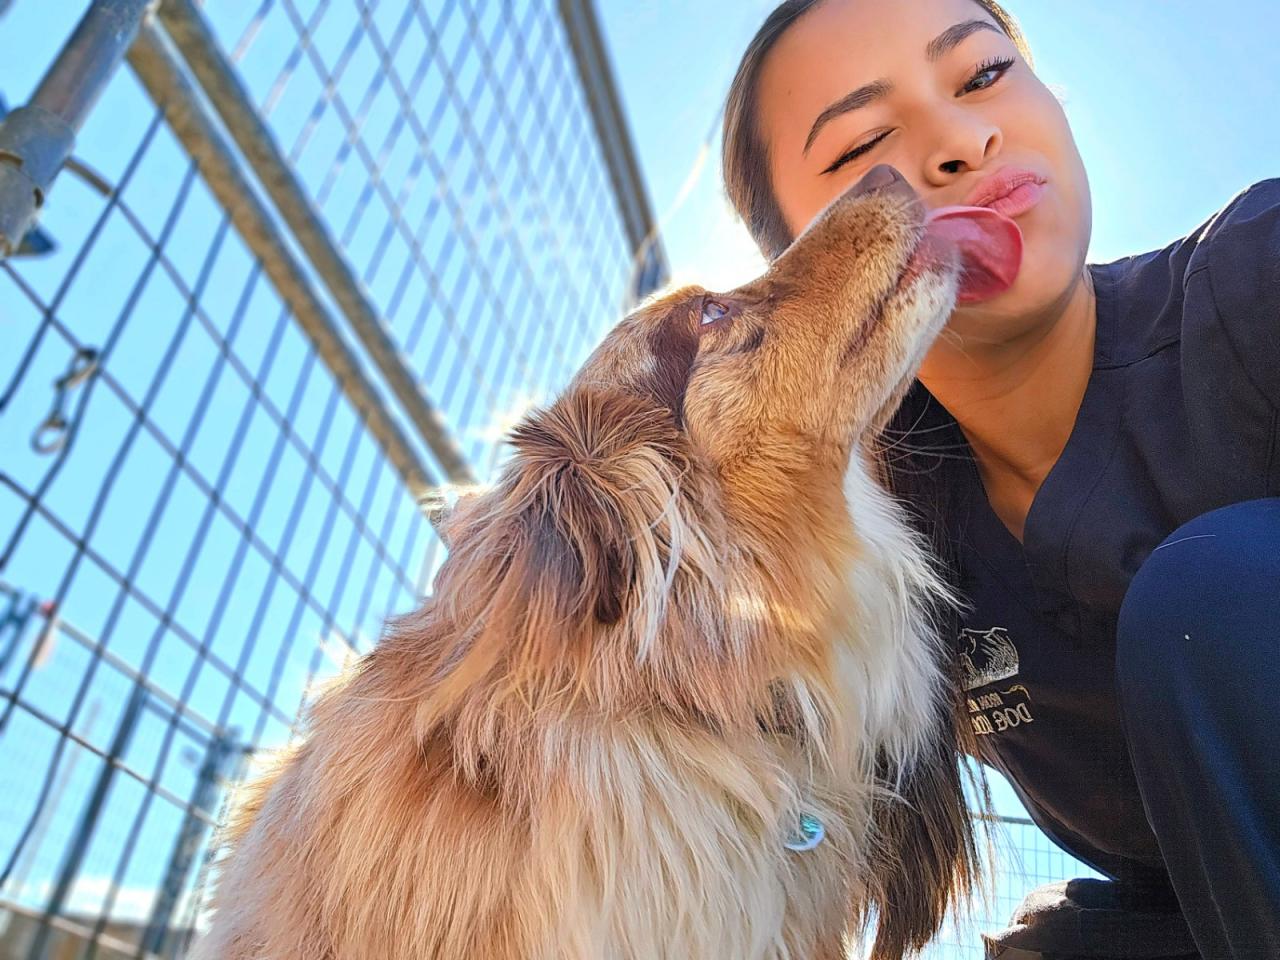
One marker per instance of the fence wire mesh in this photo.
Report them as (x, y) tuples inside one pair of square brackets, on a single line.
[(196, 525)]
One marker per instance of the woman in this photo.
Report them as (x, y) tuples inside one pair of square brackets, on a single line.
[(1096, 451)]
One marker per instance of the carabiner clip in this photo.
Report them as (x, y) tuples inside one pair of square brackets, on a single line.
[(51, 435)]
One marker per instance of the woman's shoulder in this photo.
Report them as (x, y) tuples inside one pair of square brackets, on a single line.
[(1256, 207), (1240, 243), (1223, 278), (1214, 297), (1232, 284), (1248, 223), (1230, 357)]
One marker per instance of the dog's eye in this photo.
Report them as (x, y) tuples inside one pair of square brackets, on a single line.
[(713, 310)]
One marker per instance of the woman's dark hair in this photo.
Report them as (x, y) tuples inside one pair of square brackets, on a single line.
[(927, 857)]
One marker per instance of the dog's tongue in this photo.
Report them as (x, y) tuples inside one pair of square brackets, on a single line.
[(990, 246)]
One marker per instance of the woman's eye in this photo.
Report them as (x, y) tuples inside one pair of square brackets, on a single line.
[(855, 153), (987, 75), (993, 70), (713, 310)]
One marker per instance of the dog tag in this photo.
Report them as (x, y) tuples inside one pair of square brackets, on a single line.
[(810, 833)]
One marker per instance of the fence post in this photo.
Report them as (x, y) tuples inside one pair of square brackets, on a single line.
[(222, 748), (79, 845), (36, 140)]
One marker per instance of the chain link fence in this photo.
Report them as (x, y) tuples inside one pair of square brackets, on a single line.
[(306, 260)]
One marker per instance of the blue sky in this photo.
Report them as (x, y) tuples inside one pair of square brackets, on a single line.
[(1175, 106)]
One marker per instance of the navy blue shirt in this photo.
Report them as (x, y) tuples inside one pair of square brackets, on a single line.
[(1181, 414)]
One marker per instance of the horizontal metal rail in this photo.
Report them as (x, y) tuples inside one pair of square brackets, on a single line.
[(221, 84), (158, 67)]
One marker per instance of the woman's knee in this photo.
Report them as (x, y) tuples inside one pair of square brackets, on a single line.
[(1207, 594)]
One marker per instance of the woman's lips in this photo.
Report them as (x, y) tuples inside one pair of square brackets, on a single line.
[(1019, 200)]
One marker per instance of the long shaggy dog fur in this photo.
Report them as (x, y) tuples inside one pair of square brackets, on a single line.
[(686, 616)]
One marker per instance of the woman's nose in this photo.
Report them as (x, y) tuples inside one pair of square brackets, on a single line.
[(965, 142)]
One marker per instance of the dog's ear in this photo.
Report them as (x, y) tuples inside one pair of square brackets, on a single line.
[(565, 560), (539, 567), (552, 553), (570, 551)]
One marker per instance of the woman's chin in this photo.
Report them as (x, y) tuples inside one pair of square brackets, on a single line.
[(989, 322), (1039, 291)]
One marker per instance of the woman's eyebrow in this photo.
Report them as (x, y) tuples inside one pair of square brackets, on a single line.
[(936, 49), (951, 37)]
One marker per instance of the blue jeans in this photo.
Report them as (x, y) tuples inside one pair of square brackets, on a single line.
[(1198, 674)]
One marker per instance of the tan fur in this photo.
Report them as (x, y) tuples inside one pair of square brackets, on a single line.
[(685, 614)]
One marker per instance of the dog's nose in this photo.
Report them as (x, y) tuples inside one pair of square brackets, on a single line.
[(883, 177)]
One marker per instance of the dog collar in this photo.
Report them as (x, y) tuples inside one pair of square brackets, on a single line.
[(809, 833)]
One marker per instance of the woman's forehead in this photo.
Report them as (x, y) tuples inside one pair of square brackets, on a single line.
[(840, 45)]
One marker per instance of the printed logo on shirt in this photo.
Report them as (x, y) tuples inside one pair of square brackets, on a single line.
[(987, 657)]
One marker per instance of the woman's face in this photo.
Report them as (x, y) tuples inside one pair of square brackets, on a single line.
[(946, 107)]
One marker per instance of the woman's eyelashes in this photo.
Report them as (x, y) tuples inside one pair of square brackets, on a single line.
[(855, 153), (996, 68), (997, 65)]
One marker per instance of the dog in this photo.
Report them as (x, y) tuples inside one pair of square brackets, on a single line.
[(678, 692)]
